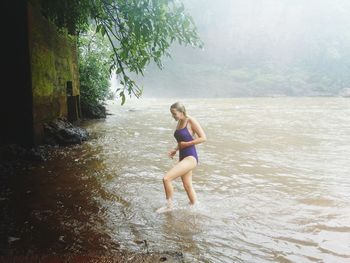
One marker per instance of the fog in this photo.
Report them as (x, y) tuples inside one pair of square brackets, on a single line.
[(259, 48)]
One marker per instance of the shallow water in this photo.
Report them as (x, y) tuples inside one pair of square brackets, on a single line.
[(272, 182)]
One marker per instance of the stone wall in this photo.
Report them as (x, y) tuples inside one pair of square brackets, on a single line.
[(53, 64)]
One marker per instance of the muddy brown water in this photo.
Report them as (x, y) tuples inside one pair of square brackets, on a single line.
[(272, 182)]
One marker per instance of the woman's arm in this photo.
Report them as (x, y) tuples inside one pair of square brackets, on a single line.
[(197, 129)]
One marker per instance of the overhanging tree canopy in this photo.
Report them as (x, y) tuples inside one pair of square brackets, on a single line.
[(139, 31)]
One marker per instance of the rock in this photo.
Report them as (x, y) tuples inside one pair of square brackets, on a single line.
[(93, 111), (37, 154), (62, 132), (14, 152)]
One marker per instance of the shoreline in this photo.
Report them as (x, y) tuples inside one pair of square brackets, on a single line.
[(123, 256), (40, 223)]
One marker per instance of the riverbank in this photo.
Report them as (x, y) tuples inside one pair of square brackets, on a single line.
[(50, 210), (117, 258)]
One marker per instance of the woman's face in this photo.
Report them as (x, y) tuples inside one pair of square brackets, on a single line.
[(176, 114)]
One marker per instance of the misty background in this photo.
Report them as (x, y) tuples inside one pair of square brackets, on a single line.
[(259, 48)]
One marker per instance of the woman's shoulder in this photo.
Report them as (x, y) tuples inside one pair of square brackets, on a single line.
[(191, 119)]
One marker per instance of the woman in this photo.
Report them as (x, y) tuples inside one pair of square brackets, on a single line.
[(187, 128)]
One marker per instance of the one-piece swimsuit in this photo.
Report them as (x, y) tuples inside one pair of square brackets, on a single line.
[(183, 135)]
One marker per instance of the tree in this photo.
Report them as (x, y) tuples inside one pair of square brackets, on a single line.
[(93, 68), (139, 31)]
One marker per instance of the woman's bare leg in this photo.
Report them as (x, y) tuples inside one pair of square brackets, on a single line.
[(187, 183), (180, 169)]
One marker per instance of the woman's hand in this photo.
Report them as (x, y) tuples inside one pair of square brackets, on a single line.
[(171, 154)]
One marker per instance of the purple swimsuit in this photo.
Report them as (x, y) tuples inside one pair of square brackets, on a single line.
[(183, 135)]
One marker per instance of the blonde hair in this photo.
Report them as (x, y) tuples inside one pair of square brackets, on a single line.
[(179, 107)]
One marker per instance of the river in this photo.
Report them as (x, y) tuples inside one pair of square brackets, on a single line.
[(272, 182)]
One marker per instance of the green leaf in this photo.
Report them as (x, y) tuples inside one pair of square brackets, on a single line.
[(98, 28), (123, 98)]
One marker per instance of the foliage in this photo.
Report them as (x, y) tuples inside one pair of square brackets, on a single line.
[(93, 68), (71, 14), (139, 31)]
